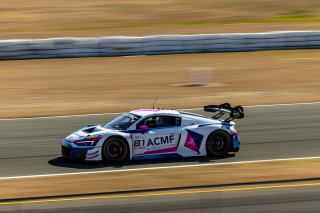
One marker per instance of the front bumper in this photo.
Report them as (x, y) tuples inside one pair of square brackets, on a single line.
[(86, 153)]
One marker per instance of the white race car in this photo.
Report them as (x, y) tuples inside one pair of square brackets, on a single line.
[(157, 133)]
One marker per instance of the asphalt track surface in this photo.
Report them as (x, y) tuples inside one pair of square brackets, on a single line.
[(290, 199), (32, 146)]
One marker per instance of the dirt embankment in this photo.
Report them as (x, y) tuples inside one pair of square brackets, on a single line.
[(160, 178), (82, 18), (113, 84)]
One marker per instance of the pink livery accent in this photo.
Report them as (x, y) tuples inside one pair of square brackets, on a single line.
[(144, 127), (160, 151), (148, 110), (92, 153), (91, 157), (191, 144)]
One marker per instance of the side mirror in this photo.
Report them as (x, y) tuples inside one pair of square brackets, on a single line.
[(144, 127)]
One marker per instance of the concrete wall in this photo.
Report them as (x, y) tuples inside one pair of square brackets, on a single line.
[(154, 45)]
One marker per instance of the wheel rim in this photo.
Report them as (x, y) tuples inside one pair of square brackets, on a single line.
[(114, 149), (218, 143)]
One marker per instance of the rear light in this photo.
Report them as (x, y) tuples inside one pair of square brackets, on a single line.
[(235, 129)]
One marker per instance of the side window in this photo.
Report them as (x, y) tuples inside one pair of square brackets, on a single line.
[(160, 121), (177, 121), (150, 122), (169, 121)]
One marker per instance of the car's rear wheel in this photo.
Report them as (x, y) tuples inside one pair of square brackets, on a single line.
[(115, 149), (218, 143)]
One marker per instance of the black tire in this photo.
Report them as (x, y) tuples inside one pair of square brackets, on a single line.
[(218, 143), (115, 149)]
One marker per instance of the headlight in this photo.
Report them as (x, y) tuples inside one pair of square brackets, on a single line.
[(86, 143)]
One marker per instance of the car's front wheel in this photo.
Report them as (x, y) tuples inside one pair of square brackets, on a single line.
[(218, 143), (115, 149)]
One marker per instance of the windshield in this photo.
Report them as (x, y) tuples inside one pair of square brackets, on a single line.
[(122, 122)]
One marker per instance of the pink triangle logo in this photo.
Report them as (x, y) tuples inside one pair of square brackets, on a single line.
[(189, 143)]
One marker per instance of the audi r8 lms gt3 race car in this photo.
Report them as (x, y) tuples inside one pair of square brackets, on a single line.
[(157, 133)]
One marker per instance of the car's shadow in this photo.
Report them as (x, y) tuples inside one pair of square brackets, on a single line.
[(67, 163)]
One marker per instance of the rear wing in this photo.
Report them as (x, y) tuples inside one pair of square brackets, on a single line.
[(222, 109)]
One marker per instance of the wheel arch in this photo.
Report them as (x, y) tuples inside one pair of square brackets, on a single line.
[(124, 139), (218, 130)]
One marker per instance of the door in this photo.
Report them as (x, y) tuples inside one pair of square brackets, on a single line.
[(162, 136)]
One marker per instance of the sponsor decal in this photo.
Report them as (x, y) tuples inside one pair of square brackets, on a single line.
[(156, 143), (193, 141)]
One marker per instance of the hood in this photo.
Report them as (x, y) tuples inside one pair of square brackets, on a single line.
[(91, 132)]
